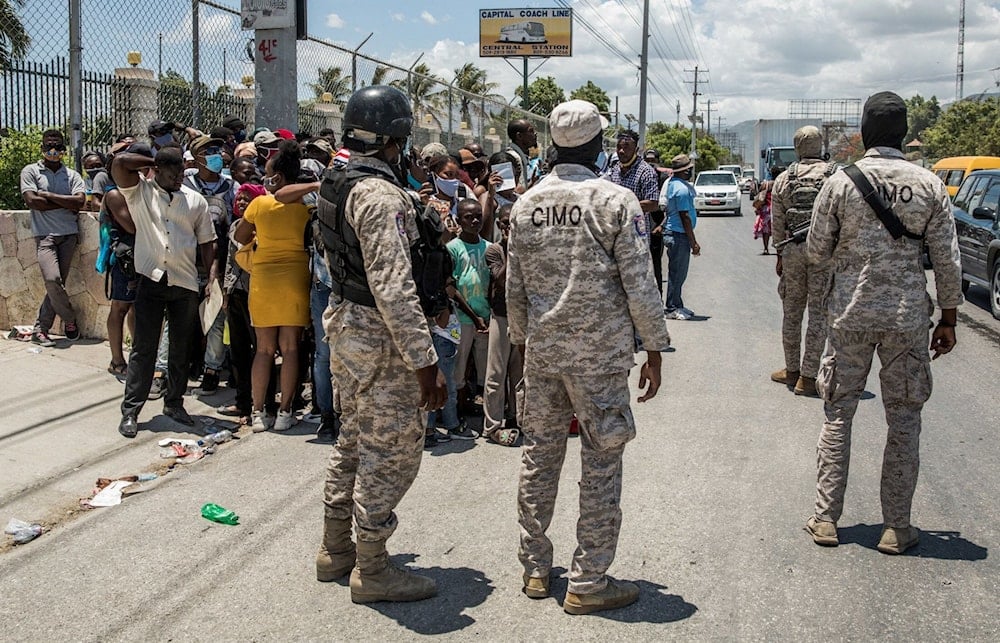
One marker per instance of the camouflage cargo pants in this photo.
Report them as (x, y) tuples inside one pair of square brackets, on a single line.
[(906, 384), (802, 285), (377, 456), (602, 405)]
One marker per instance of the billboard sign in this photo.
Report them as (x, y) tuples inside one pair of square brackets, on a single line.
[(267, 14), (525, 32)]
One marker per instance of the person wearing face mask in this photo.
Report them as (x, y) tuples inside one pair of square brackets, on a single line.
[(266, 145), (161, 133), (172, 228), (55, 194), (95, 178), (279, 285), (218, 192), (238, 128)]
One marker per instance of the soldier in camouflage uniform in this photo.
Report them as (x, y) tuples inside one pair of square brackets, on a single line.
[(801, 284), (878, 302), (579, 278), (375, 350)]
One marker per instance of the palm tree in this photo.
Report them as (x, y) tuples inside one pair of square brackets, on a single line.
[(426, 92), (472, 80), (331, 79), (14, 40), (378, 76)]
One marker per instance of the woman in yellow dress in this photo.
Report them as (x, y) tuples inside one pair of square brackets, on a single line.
[(279, 285)]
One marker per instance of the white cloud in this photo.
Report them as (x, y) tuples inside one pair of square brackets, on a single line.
[(334, 21), (398, 17), (428, 18)]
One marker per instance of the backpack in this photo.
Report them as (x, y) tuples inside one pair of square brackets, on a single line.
[(337, 242), (802, 194), (106, 238)]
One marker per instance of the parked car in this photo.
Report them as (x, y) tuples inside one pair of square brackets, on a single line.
[(977, 221), (748, 183), (717, 192)]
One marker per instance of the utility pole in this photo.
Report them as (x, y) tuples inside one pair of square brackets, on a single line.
[(643, 63), (678, 124), (616, 116), (709, 131), (960, 70), (718, 124), (694, 115)]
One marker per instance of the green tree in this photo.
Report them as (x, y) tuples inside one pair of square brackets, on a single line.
[(967, 128), (847, 149), (333, 80), (17, 149), (543, 94), (378, 76), (594, 94), (426, 92), (920, 114), (14, 40), (670, 141), (474, 83)]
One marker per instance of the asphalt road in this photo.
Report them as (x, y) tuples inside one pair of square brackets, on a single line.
[(718, 484)]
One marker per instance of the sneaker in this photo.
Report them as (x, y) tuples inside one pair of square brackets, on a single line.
[(430, 440), (285, 421), (462, 432), (806, 386), (896, 540), (209, 381), (616, 594), (259, 422), (329, 429), (442, 437), (678, 314), (71, 331), (42, 338), (313, 417), (688, 312), (158, 388), (785, 376), (823, 533)]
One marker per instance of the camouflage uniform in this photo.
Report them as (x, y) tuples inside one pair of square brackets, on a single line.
[(577, 328), (373, 353), (802, 284), (878, 301)]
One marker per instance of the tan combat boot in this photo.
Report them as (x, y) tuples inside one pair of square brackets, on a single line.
[(536, 587), (822, 532), (376, 579), (336, 554), (617, 594), (896, 540), (806, 386), (786, 377)]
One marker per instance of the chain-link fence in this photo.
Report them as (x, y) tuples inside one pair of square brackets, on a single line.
[(101, 68)]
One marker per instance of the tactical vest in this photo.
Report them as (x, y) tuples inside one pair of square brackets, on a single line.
[(802, 194), (341, 248)]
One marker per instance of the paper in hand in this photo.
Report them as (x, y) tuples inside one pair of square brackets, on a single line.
[(506, 172)]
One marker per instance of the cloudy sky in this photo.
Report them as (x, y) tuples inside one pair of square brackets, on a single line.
[(759, 53)]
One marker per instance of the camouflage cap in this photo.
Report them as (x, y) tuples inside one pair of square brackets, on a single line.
[(808, 142)]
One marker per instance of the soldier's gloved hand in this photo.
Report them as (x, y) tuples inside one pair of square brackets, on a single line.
[(649, 376), (433, 388)]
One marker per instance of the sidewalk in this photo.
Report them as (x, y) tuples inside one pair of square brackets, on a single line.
[(61, 412)]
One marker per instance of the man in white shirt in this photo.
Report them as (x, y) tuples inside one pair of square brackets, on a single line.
[(172, 224)]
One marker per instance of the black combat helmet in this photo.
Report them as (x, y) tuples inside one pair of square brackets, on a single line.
[(375, 114)]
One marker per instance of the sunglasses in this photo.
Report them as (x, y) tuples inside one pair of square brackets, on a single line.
[(59, 148), (208, 151)]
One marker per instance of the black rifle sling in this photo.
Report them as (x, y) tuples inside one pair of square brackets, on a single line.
[(882, 211)]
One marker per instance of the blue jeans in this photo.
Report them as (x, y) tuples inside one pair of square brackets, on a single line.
[(678, 258), (319, 299), (215, 350), (447, 350)]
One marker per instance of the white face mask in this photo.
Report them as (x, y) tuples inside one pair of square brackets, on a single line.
[(448, 187)]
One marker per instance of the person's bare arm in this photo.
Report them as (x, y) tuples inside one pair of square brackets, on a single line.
[(125, 168), (115, 205), (35, 201), (689, 231), (244, 232), (69, 201), (649, 206), (295, 192)]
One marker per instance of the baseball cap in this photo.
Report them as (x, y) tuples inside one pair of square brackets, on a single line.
[(285, 134), (234, 123), (321, 144), (142, 149), (267, 137), (159, 126), (432, 150), (203, 141), (575, 123)]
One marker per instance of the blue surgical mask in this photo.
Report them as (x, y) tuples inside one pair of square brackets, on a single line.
[(448, 187), (163, 139), (214, 163)]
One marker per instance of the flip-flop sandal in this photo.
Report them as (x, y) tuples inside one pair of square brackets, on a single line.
[(505, 437), (230, 410), (118, 370)]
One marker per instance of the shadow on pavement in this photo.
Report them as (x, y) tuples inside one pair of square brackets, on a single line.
[(459, 588), (653, 606), (943, 545)]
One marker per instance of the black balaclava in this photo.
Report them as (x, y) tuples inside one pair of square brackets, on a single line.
[(883, 122)]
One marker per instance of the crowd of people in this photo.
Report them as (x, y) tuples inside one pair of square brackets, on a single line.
[(516, 285)]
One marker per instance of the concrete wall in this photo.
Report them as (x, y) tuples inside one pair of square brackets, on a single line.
[(21, 285)]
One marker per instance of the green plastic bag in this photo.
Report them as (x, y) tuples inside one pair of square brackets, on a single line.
[(215, 513)]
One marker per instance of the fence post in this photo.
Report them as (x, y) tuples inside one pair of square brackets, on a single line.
[(75, 82), (136, 94), (195, 64)]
